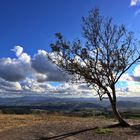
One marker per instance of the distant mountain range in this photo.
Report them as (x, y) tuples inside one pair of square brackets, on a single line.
[(123, 102)]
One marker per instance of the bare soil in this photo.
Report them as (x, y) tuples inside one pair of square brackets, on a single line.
[(46, 127)]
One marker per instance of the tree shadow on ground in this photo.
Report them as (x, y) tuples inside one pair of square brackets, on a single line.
[(136, 129), (62, 136), (135, 132)]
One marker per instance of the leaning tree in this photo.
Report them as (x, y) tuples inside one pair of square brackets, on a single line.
[(108, 52)]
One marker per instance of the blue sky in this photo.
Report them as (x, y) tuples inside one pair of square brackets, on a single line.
[(31, 25)]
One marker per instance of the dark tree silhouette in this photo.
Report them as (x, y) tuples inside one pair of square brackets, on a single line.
[(109, 51)]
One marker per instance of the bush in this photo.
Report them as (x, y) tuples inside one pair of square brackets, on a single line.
[(103, 130), (15, 111)]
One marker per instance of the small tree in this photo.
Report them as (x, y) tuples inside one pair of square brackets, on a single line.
[(109, 51)]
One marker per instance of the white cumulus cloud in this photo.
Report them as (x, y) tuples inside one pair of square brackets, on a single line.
[(43, 66), (18, 50), (134, 2), (13, 69), (9, 86)]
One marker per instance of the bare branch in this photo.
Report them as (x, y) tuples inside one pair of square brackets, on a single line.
[(108, 53)]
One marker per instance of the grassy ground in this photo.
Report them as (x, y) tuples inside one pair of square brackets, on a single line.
[(55, 127)]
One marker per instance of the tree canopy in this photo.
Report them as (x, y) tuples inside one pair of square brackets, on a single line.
[(108, 52)]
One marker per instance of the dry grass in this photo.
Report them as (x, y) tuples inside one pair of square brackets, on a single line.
[(14, 121), (35, 127)]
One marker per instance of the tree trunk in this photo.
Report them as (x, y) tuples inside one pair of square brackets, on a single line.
[(121, 121), (113, 102)]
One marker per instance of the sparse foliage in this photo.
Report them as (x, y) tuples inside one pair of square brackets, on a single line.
[(109, 51)]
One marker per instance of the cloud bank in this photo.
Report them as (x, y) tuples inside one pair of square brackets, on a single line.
[(25, 74), (28, 75), (132, 83)]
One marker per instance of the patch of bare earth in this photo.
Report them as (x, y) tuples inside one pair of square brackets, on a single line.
[(44, 127)]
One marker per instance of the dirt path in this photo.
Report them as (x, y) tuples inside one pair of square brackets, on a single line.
[(61, 128)]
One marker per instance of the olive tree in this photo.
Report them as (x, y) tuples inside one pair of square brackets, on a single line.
[(108, 52)]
